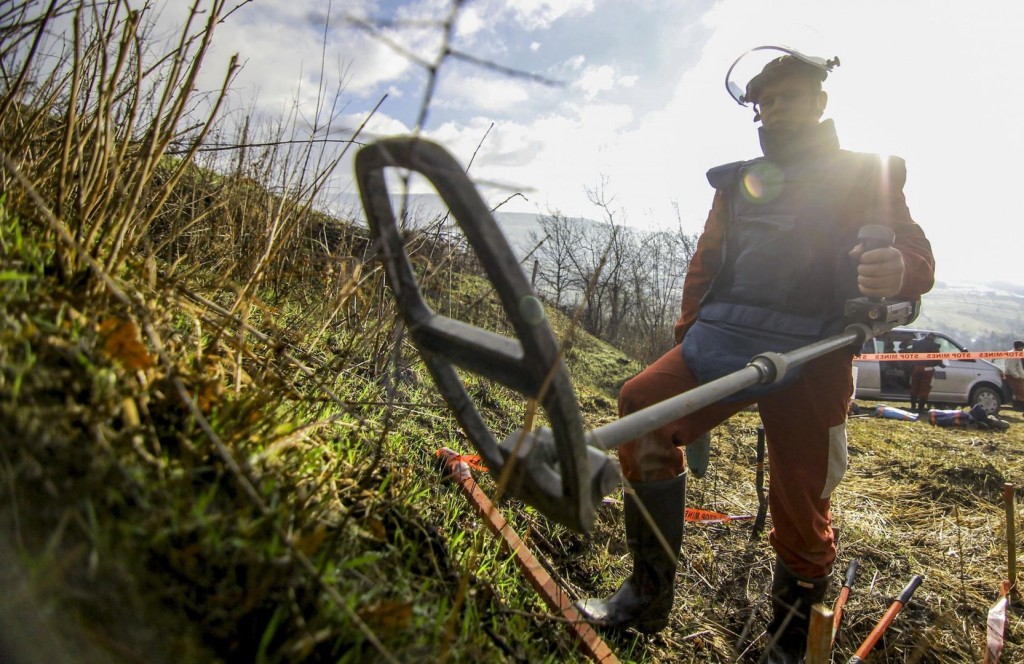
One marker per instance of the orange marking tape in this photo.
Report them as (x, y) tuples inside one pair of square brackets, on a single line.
[(964, 355), (553, 595), (472, 460), (694, 515)]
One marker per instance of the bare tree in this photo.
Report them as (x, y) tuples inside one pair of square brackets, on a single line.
[(555, 241), (624, 284), (657, 270)]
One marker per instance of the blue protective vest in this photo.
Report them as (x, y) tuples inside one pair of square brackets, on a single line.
[(785, 274)]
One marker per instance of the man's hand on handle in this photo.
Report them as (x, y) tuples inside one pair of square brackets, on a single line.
[(880, 271)]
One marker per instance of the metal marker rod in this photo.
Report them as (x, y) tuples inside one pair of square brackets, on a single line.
[(550, 591), (760, 370), (884, 622), (844, 596), (641, 422)]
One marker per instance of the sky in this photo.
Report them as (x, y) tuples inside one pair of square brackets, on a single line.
[(640, 111)]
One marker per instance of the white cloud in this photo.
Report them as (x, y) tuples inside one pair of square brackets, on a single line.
[(482, 93), (379, 125), (596, 80), (284, 56), (505, 145), (576, 62), (540, 14), (470, 22)]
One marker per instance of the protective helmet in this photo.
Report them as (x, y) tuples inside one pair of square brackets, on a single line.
[(791, 62)]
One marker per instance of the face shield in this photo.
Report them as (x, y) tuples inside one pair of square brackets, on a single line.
[(756, 61)]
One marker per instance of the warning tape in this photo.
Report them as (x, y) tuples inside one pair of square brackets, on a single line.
[(964, 355), (472, 460), (694, 515)]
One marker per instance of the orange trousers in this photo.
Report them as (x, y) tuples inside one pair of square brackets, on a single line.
[(805, 428), (1016, 387), (921, 383)]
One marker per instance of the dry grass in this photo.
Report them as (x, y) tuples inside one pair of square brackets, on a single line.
[(916, 500)]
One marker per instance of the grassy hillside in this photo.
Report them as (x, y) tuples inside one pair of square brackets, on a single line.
[(974, 313), (218, 444)]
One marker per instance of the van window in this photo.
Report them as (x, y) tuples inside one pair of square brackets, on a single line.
[(895, 341), (947, 346)]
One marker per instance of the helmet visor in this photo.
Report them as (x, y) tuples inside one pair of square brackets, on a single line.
[(752, 63)]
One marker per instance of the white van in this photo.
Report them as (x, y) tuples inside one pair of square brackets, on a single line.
[(955, 383)]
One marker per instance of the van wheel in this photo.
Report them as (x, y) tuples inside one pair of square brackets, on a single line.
[(988, 397)]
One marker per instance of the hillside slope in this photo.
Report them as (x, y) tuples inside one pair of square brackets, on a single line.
[(975, 313)]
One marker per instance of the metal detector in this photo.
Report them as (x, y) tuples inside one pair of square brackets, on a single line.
[(562, 471)]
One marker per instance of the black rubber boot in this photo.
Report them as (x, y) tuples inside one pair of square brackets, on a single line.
[(792, 599), (913, 405), (644, 600)]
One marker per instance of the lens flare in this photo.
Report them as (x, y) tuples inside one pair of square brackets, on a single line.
[(762, 182)]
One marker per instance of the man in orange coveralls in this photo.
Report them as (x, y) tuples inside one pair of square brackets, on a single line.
[(922, 374), (776, 262)]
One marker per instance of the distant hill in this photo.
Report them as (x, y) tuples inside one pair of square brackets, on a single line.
[(516, 226), (992, 313)]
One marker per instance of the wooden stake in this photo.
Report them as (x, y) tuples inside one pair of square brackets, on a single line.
[(819, 635), (1009, 502)]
